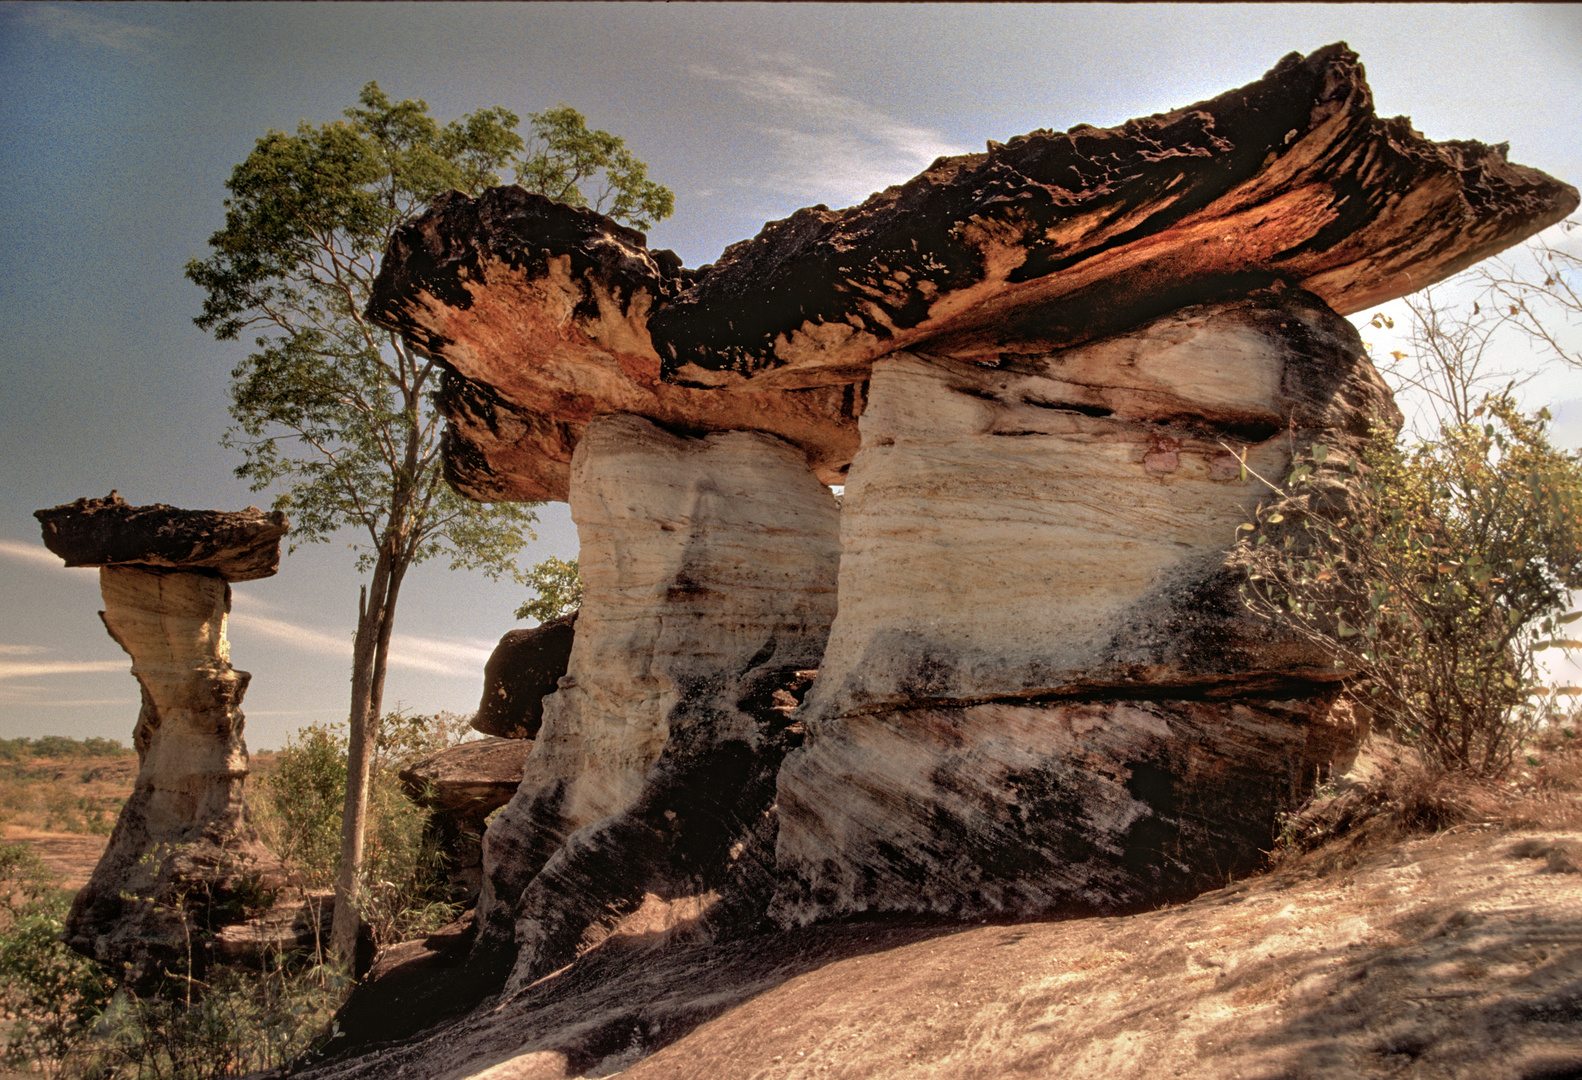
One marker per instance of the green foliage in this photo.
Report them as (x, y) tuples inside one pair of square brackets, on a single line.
[(52, 995), (236, 1024), (60, 746), (558, 585), (299, 814), (1434, 574), (565, 156), (332, 408), (304, 796)]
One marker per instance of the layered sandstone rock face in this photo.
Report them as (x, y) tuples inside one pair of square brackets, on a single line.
[(1050, 376), (708, 572), (1075, 710), (183, 860)]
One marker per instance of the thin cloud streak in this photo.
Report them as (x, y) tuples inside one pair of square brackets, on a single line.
[(436, 656), (22, 650), (21, 669), (89, 28), (37, 554), (836, 146)]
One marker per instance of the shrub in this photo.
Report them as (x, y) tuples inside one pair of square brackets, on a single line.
[(53, 995), (234, 1025), (403, 889), (558, 584), (1434, 575)]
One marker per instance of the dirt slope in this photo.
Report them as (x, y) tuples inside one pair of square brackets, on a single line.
[(1457, 956)]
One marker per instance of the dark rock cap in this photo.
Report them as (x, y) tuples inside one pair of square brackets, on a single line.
[(239, 545), (524, 668), (1068, 236)]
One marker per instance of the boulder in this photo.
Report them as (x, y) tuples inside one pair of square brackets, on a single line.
[(708, 569), (525, 666), (183, 861), (461, 786)]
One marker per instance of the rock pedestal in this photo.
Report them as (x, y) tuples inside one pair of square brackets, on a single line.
[(708, 569), (1042, 690), (183, 861)]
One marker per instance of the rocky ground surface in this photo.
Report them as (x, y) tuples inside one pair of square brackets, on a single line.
[(1455, 955)]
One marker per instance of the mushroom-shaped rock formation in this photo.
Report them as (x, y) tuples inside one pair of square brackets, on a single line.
[(183, 861), (1072, 356), (461, 786), (524, 667)]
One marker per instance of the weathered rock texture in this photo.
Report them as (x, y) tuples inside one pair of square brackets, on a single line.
[(1450, 957), (461, 786), (183, 860), (524, 667), (1070, 514), (709, 582), (539, 312)]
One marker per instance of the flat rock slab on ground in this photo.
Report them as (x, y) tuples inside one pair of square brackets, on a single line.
[(70, 855), (1454, 956)]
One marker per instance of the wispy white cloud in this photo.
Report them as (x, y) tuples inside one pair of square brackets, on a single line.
[(835, 147), (36, 554), (22, 650), (21, 669), (89, 27), (437, 656)]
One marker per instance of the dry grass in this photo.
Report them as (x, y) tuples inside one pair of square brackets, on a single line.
[(1392, 795), (80, 795)]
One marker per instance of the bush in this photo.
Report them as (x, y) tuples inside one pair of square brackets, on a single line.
[(558, 584), (239, 1023), (404, 891), (1434, 575), (52, 995)]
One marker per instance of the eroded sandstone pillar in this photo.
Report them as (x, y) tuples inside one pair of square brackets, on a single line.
[(183, 860), (1041, 689), (709, 570)]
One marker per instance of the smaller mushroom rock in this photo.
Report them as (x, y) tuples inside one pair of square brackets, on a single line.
[(241, 545), (183, 861), (525, 666), (461, 786)]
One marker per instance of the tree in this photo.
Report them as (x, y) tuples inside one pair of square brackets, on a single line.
[(339, 412), (1543, 298), (559, 587), (1434, 575)]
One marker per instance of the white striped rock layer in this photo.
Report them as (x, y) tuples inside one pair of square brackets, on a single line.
[(709, 581), (1041, 688)]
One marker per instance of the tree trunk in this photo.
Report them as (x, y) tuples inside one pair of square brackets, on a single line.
[(376, 618)]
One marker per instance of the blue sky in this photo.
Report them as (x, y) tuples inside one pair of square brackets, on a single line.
[(120, 122)]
